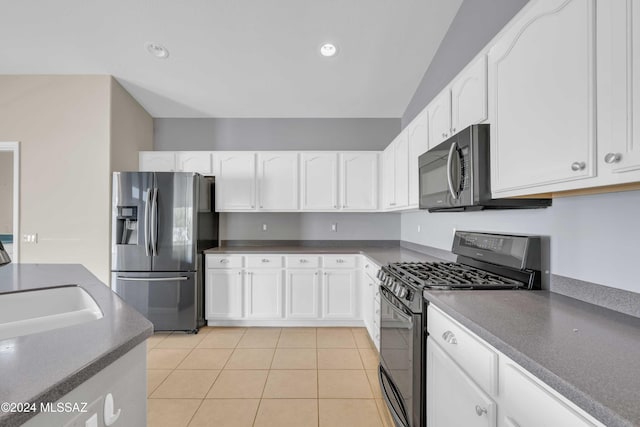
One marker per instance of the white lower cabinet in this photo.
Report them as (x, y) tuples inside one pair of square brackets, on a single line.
[(464, 389), (455, 399), (339, 294), (223, 293), (303, 292), (264, 294)]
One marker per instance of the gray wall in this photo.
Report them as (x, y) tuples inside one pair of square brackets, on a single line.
[(593, 238), (310, 226), (274, 134), (475, 24), (287, 134)]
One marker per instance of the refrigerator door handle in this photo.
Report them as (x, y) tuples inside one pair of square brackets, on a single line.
[(146, 222), (154, 223), (153, 279)]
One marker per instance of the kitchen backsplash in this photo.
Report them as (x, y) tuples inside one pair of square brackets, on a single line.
[(593, 238)]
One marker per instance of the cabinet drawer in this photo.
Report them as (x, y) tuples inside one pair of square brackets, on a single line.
[(224, 261), (479, 361), (339, 261), (303, 261), (264, 261)]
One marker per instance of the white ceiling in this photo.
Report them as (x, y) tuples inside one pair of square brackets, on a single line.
[(235, 58)]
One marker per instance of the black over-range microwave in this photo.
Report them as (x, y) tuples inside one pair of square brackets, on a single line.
[(455, 175)]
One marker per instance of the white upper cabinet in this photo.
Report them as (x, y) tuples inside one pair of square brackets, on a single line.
[(194, 161), (618, 91), (235, 181), (469, 96), (388, 177), (395, 173), (157, 161), (359, 181), (439, 115), (278, 178), (542, 97), (401, 160), (418, 133), (319, 181)]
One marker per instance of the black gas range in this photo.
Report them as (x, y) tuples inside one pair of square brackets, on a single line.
[(484, 262)]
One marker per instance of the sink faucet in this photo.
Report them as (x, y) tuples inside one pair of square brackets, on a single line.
[(4, 256)]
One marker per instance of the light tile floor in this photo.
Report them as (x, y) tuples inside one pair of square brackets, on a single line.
[(236, 377)]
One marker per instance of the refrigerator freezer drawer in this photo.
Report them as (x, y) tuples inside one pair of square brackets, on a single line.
[(169, 300)]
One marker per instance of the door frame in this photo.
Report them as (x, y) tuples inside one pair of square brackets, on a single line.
[(14, 147)]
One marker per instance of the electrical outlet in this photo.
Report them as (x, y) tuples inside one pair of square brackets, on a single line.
[(264, 227), (419, 228), (334, 227), (30, 238)]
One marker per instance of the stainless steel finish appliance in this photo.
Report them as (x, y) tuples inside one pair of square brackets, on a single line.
[(455, 175), (161, 223), (485, 261)]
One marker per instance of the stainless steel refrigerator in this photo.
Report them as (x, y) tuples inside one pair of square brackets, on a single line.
[(161, 223)]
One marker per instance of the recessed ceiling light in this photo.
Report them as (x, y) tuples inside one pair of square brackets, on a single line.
[(157, 50), (328, 49)]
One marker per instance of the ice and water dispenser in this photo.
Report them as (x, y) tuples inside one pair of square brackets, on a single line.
[(127, 225)]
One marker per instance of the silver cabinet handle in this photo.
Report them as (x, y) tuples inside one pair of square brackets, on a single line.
[(392, 204), (261, 206), (480, 411), (449, 337), (302, 261), (239, 273), (453, 130), (340, 261), (265, 260), (224, 261), (578, 166), (612, 158)]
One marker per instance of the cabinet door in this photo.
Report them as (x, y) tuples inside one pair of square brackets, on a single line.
[(278, 181), (320, 181), (543, 97), (157, 161), (302, 294), (618, 91), (194, 161), (389, 177), (339, 294), (524, 397), (469, 96), (223, 294), (235, 183), (359, 176), (453, 399), (402, 169), (439, 113), (264, 294), (418, 132)]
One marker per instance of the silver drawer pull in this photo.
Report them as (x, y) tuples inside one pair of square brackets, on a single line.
[(578, 166), (224, 261), (480, 411), (265, 260), (612, 158), (302, 261), (340, 261), (449, 337)]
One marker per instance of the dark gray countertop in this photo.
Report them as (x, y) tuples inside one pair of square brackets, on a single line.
[(380, 255), (44, 367), (587, 353)]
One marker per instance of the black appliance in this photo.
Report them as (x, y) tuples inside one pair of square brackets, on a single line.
[(161, 224), (455, 175), (485, 261)]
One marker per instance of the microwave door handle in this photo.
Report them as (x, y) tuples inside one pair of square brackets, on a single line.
[(452, 150), (147, 202)]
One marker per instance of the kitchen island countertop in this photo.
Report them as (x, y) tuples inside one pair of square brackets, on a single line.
[(43, 367)]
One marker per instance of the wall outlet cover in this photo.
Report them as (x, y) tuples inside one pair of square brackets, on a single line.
[(334, 227), (264, 227)]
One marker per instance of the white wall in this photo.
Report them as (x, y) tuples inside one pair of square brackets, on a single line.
[(594, 238), (6, 192)]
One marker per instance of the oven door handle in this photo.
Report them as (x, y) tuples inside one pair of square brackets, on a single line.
[(400, 313), (385, 395), (453, 150)]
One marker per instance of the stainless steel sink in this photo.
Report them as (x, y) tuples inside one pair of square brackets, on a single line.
[(40, 310)]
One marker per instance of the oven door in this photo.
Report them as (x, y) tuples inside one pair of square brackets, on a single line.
[(399, 381), (443, 179)]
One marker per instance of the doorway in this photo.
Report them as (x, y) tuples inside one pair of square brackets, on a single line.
[(9, 198)]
